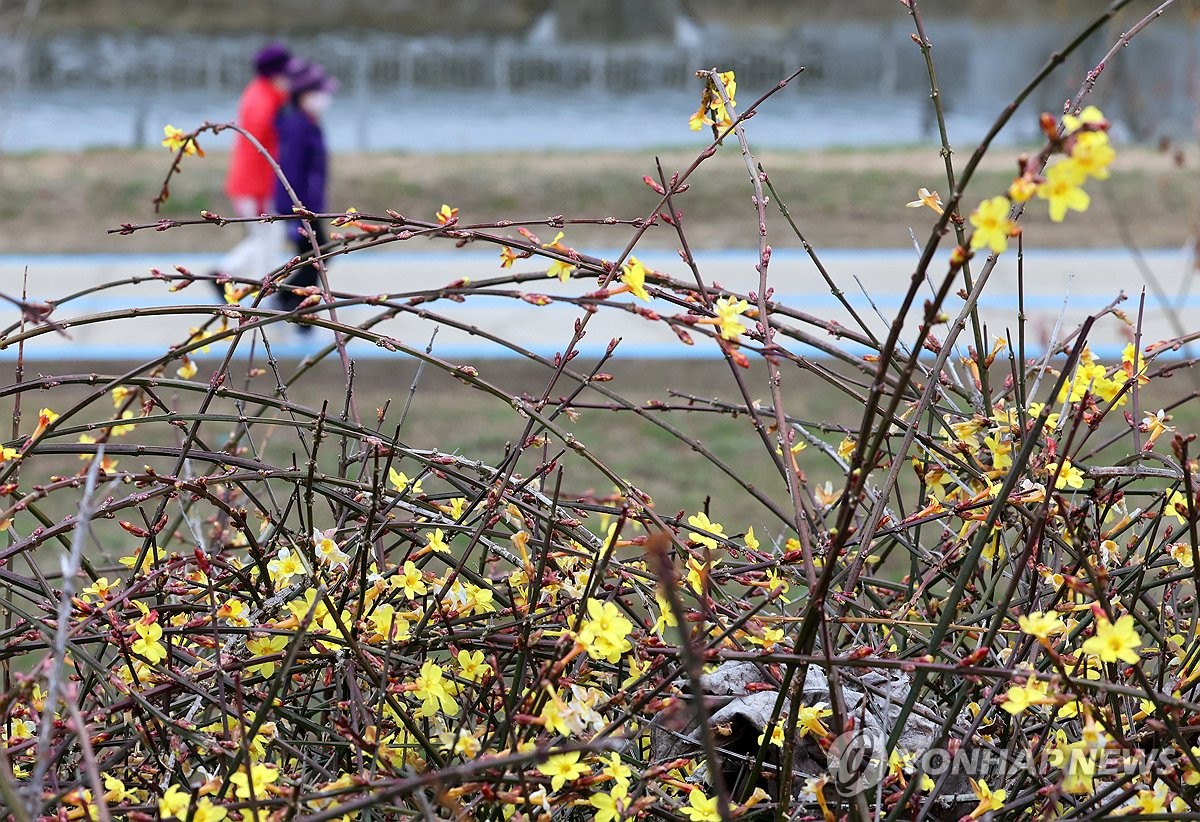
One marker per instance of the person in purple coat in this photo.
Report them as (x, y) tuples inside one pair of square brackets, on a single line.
[(304, 160)]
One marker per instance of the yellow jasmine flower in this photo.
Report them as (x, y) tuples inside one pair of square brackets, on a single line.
[(45, 417), (437, 542), (251, 783), (1090, 376), (617, 770), (410, 580), (1127, 364), (1035, 408), (557, 715), (808, 719), (1181, 552), (1114, 641), (328, 552), (730, 83), (148, 561), (751, 540), (967, 432), (701, 808), (1078, 768), (461, 744), (446, 214), (563, 768), (770, 638), (776, 735), (1062, 190), (401, 482), (1019, 698), (1022, 189), (698, 570), (729, 317), (188, 369), (206, 811), (285, 566), (174, 803), (666, 618), (636, 670), (234, 294), (633, 275), (708, 530), (175, 139), (1041, 625), (776, 580), (115, 791), (611, 806), (480, 600), (457, 506), (434, 691), (1090, 116), (925, 197), (234, 611), (148, 644), (1001, 450), (263, 646), (388, 625), (1151, 801), (992, 225), (1177, 504), (1093, 156), (561, 269), (796, 448), (300, 608), (710, 101), (1068, 476), (122, 430), (471, 665), (605, 633), (989, 800), (102, 588)]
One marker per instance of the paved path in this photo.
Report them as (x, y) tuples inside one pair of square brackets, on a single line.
[(1062, 287)]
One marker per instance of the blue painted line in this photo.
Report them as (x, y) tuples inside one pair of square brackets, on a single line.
[(105, 258)]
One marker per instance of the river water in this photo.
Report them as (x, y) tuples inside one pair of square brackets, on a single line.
[(864, 85)]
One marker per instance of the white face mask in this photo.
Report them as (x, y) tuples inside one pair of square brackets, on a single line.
[(316, 103)]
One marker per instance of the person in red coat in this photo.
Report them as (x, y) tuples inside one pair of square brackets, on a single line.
[(250, 183)]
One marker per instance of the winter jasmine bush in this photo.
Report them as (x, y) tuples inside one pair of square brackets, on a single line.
[(365, 628)]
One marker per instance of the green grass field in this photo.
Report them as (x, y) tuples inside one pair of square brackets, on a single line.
[(448, 416)]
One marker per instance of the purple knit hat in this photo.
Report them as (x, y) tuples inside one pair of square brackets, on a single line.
[(272, 59), (305, 75)]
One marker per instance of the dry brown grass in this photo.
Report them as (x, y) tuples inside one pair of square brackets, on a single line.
[(62, 202)]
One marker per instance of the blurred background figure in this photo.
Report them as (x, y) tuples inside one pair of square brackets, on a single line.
[(251, 180), (304, 161)]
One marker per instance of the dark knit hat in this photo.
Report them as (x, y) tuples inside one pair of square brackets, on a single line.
[(272, 59), (305, 75)]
